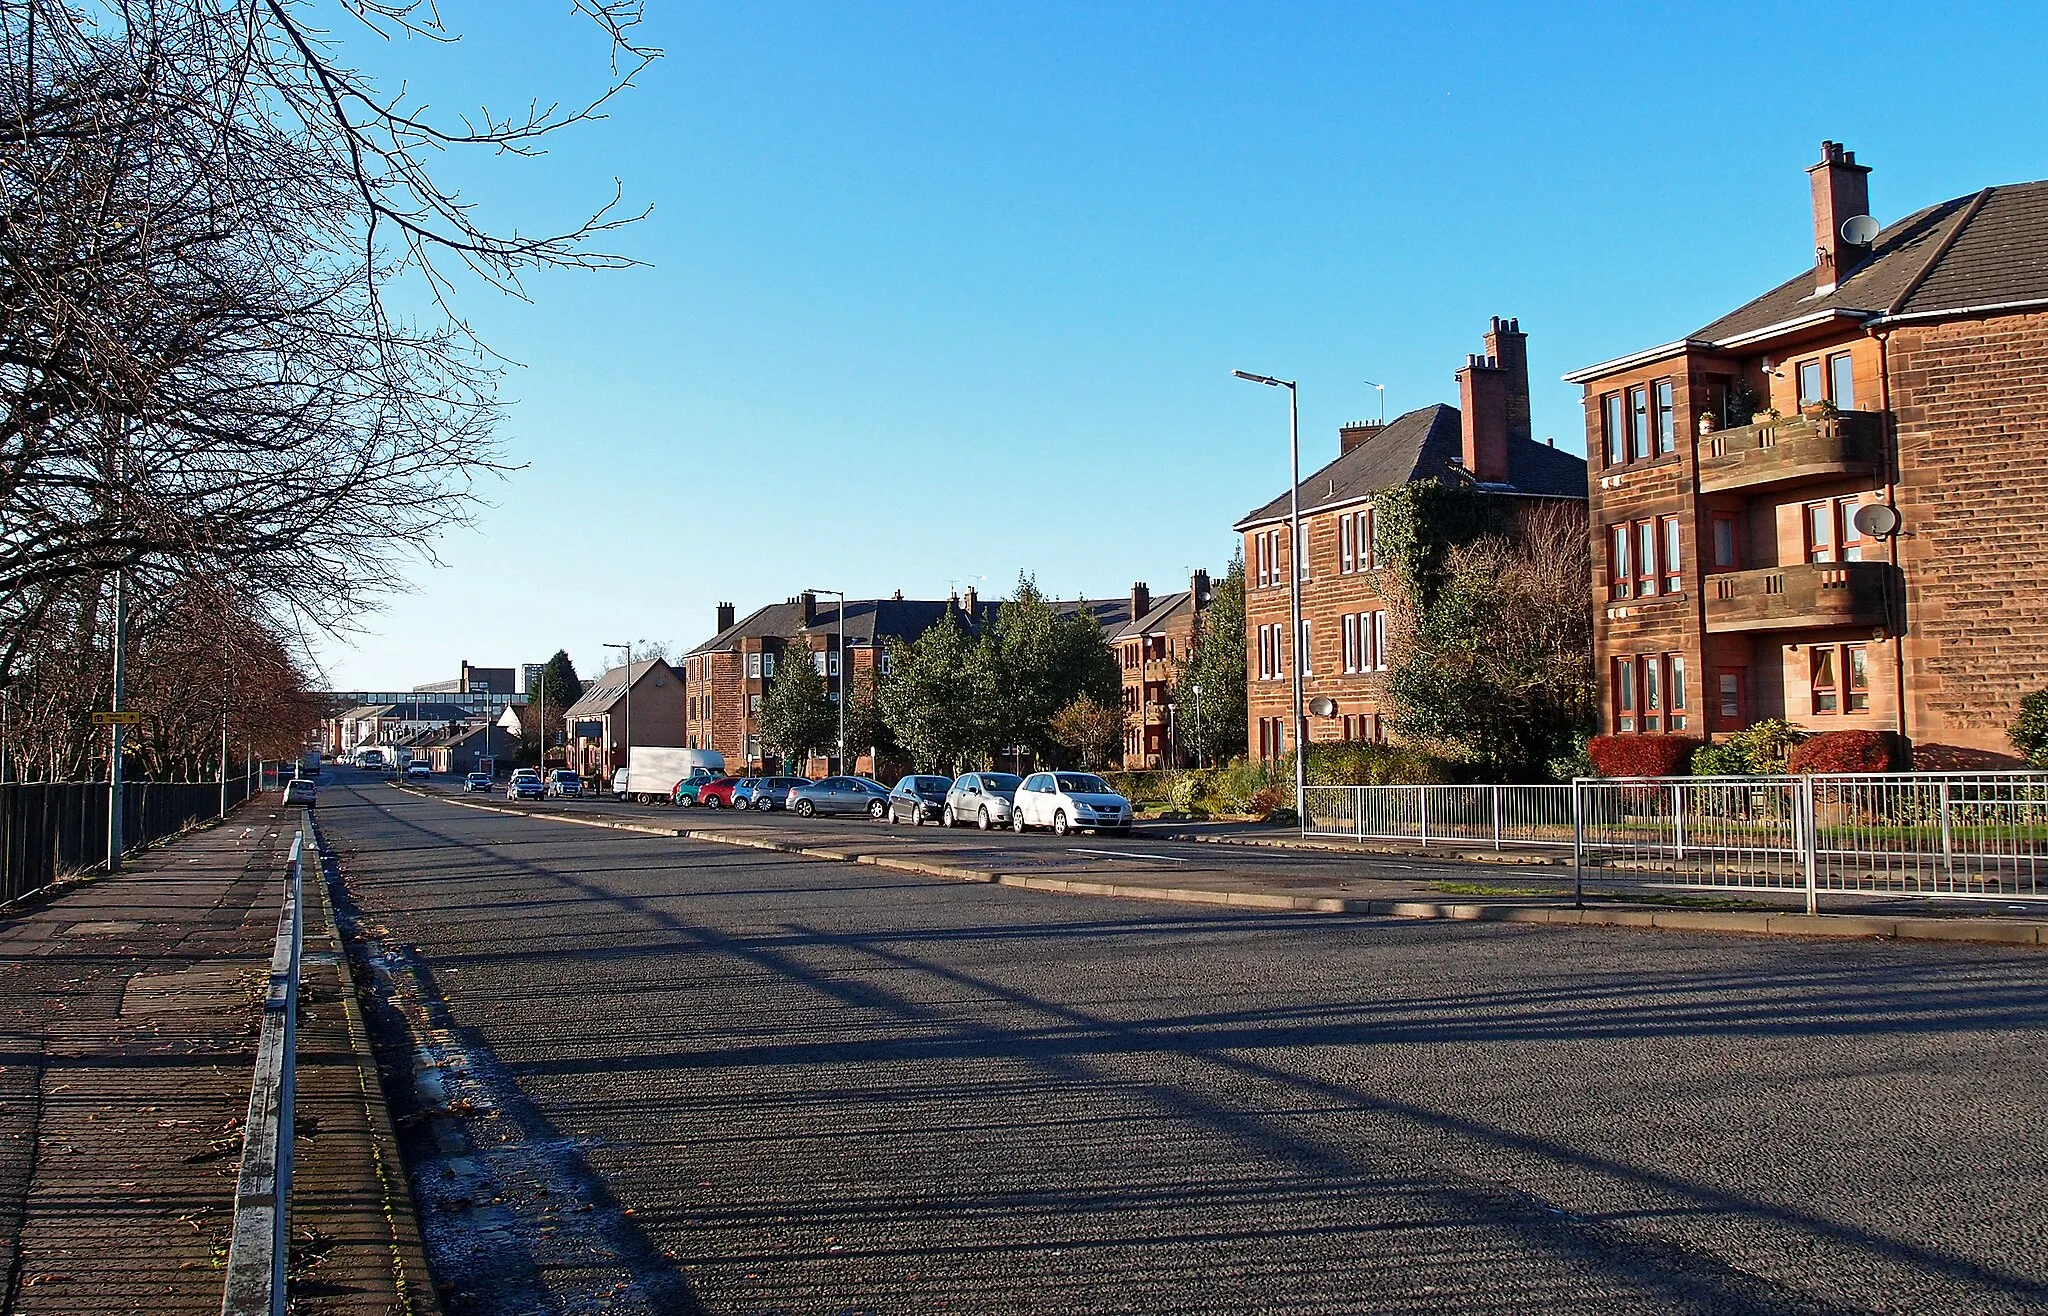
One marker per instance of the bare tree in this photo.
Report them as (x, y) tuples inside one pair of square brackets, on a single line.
[(203, 208)]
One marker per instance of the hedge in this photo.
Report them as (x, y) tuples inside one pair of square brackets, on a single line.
[(1642, 756), (1850, 751)]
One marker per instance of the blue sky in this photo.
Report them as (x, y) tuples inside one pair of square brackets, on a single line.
[(937, 293)]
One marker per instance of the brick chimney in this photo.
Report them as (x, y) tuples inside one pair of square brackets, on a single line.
[(1199, 588), (1483, 415), (724, 617), (1141, 600), (1509, 347), (1841, 189), (809, 603), (1350, 435), (970, 601)]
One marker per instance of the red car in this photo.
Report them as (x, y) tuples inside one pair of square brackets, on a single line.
[(718, 794)]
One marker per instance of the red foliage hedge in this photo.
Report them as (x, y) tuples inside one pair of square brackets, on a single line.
[(1850, 751), (1642, 756)]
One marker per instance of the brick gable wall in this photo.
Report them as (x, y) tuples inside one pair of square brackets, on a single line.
[(1970, 404)]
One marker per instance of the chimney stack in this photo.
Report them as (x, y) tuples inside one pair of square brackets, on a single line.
[(1483, 418), (724, 617), (1509, 346), (1199, 588), (970, 602), (1841, 190), (809, 601), (1357, 432), (1141, 600)]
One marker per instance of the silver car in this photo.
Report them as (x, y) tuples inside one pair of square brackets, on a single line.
[(840, 795), (982, 798)]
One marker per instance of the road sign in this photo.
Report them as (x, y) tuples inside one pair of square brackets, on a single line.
[(126, 718)]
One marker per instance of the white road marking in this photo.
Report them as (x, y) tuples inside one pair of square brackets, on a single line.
[(1130, 854)]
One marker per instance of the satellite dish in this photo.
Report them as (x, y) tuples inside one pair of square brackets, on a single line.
[(1859, 230), (1877, 520), (1323, 706)]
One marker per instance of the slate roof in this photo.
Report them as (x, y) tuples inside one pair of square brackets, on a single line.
[(422, 711), (906, 619), (600, 695), (1425, 444), (1163, 609), (1967, 253)]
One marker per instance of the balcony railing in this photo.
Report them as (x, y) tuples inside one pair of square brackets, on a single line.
[(1802, 595), (1792, 450)]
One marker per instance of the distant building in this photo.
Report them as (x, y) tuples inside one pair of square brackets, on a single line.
[(1346, 591), (474, 680), (467, 748), (1150, 648), (1826, 506), (599, 727)]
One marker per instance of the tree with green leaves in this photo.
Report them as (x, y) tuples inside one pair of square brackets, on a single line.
[(939, 700), (796, 716), (1043, 660), (1213, 726), (866, 728), (558, 678)]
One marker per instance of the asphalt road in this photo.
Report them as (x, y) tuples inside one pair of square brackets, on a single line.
[(657, 1075)]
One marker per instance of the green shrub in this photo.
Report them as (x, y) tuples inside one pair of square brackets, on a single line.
[(1578, 762), (2029, 733), (1283, 816), (1364, 763), (1760, 750), (1185, 789)]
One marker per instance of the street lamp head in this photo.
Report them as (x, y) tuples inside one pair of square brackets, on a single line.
[(1267, 380)]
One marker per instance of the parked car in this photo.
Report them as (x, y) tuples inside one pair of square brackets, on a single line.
[(743, 792), (982, 798), (840, 795), (564, 784), (1064, 801), (525, 785), (301, 790), (773, 792), (685, 793), (717, 793), (476, 781), (919, 799), (418, 768)]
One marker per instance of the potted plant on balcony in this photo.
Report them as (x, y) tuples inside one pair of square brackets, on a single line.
[(1824, 409)]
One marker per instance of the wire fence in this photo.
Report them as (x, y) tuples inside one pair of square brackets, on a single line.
[(49, 830)]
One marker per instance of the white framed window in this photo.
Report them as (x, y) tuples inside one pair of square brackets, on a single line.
[(1379, 640), (767, 666), (753, 667), (885, 662), (1351, 641), (1308, 651), (1344, 562), (832, 664), (818, 662)]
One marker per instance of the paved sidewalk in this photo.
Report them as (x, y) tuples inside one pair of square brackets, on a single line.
[(127, 1037)]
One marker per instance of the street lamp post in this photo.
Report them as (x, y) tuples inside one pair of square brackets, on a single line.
[(1296, 560), (628, 649), (839, 626), (1201, 745)]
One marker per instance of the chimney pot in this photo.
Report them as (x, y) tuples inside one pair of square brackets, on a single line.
[(809, 600), (1198, 588), (724, 617), (1141, 600), (970, 601)]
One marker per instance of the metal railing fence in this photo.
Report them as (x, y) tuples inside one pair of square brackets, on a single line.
[(49, 829), (260, 1245), (1952, 835), (1495, 816)]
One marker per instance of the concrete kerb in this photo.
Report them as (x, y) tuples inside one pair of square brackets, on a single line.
[(2005, 932)]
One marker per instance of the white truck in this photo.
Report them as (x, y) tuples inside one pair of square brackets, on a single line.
[(652, 771)]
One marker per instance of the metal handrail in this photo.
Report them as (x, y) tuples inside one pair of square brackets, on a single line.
[(260, 1244)]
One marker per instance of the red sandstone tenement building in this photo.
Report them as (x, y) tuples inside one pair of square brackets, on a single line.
[(1741, 571), (1150, 649), (1346, 590)]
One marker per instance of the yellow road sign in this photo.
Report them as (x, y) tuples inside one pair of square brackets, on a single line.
[(125, 718)]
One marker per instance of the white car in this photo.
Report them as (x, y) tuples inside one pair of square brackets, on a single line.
[(1064, 801), (418, 768), (301, 790)]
